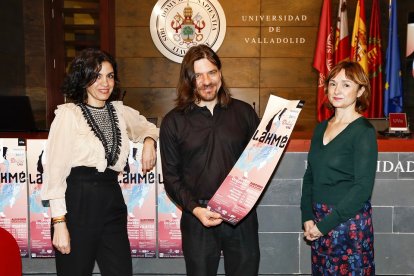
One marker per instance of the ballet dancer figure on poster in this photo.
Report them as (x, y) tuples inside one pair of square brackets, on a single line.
[(35, 200)]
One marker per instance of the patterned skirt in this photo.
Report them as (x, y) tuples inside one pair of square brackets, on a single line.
[(348, 249)]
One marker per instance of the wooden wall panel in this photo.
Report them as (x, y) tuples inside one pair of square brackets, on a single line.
[(34, 28), (148, 72), (249, 95), (34, 55), (35, 71), (252, 69), (241, 72), (311, 9), (249, 67), (38, 103), (234, 45), (135, 42), (151, 102), (33, 12), (236, 9), (34, 45), (133, 12), (290, 42), (287, 72)]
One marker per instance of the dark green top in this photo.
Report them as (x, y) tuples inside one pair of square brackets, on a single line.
[(341, 173)]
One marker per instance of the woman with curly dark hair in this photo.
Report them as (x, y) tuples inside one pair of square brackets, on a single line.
[(87, 147)]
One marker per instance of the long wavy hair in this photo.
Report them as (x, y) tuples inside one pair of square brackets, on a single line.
[(187, 88), (83, 72), (354, 72)]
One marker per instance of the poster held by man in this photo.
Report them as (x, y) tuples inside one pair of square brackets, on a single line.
[(245, 183)]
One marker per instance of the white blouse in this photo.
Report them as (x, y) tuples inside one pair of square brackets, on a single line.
[(72, 142)]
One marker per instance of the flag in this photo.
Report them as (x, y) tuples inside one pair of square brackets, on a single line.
[(341, 33), (393, 95), (323, 59), (375, 63), (359, 37)]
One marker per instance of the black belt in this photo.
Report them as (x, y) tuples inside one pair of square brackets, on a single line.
[(83, 174)]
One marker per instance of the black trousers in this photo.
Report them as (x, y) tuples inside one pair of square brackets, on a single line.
[(202, 246), (97, 223)]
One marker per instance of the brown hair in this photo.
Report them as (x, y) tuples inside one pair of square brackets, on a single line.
[(354, 72), (186, 88)]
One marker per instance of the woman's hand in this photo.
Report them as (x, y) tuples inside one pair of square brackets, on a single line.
[(61, 239), (311, 231), (307, 225), (149, 155)]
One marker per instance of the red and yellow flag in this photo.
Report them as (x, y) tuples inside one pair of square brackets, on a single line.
[(323, 58), (341, 33), (375, 109), (359, 37)]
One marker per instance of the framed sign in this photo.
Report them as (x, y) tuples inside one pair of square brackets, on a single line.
[(397, 122), (177, 25)]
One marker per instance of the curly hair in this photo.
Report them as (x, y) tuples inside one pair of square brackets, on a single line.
[(354, 72), (186, 88), (83, 72)]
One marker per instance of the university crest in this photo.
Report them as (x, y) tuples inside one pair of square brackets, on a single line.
[(177, 25)]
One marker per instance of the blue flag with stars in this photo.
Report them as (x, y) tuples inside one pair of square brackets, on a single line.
[(393, 94)]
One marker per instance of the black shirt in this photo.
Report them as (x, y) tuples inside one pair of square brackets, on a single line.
[(199, 149)]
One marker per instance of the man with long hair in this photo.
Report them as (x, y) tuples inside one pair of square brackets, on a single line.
[(200, 141)]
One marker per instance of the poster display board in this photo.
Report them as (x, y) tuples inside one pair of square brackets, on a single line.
[(39, 213), (169, 216), (13, 191), (139, 194)]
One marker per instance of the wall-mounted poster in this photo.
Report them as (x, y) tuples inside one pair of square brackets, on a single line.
[(139, 194), (169, 216), (40, 238), (13, 191)]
